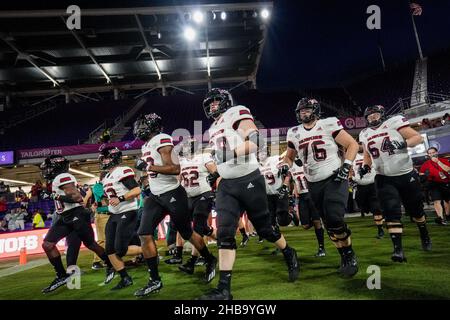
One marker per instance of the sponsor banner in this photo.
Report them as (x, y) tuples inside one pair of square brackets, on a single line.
[(75, 150), (441, 143), (6, 157)]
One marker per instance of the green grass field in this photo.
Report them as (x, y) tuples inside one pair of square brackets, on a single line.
[(260, 275)]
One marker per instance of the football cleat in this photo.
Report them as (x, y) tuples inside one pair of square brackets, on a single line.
[(398, 256), (152, 286), (174, 260), (124, 282), (188, 267), (260, 240), (245, 240), (97, 266), (216, 294), (426, 244), (320, 253), (200, 261), (110, 274), (210, 272), (56, 283), (292, 264), (440, 221), (349, 265)]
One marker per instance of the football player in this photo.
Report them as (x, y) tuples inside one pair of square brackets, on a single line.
[(277, 188), (386, 143), (122, 190), (194, 168), (309, 216), (366, 193), (316, 142), (167, 196), (68, 204), (235, 141)]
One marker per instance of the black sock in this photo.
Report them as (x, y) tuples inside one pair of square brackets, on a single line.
[(105, 258), (242, 231), (179, 253), (319, 236), (152, 264), (225, 281), (423, 230), (123, 273), (193, 260), (396, 240), (287, 250), (380, 228), (204, 252), (58, 265), (340, 250), (347, 250)]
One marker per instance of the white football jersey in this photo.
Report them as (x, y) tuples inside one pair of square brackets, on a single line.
[(368, 178), (61, 180), (269, 169), (193, 174), (159, 183), (298, 174), (113, 187), (387, 162), (222, 132), (316, 148)]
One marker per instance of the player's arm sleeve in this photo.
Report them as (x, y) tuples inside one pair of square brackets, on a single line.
[(240, 113), (129, 182)]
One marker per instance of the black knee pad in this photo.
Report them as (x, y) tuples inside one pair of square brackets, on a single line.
[(339, 233), (203, 229), (186, 234), (284, 218), (392, 217), (47, 246), (270, 234), (226, 238)]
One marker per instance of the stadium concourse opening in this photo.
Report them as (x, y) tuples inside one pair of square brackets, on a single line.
[(315, 146)]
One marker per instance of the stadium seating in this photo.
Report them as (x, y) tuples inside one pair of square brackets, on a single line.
[(439, 73)]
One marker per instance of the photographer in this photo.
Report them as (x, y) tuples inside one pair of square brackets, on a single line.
[(436, 171)]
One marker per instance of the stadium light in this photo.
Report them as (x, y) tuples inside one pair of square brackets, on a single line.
[(189, 34), (223, 15), (214, 15), (198, 17), (264, 13), (208, 66), (16, 181), (83, 173), (159, 35)]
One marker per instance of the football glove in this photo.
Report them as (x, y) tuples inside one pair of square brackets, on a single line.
[(283, 171), (283, 191), (298, 162), (212, 177), (223, 155), (363, 170), (395, 145), (141, 165), (342, 173)]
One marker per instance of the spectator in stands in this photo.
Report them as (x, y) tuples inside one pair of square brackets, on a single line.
[(21, 214), (3, 225), (48, 188), (10, 218), (36, 190), (38, 221), (437, 172), (9, 195), (445, 119), (2, 188), (3, 206), (20, 194), (426, 124)]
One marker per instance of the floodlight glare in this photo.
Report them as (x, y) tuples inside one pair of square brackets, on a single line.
[(189, 33), (223, 15), (265, 13), (198, 17)]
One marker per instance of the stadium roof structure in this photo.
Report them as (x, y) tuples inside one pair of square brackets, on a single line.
[(137, 49)]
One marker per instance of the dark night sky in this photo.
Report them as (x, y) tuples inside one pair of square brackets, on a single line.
[(320, 43)]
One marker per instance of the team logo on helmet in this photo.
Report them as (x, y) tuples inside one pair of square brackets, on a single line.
[(223, 97), (110, 157), (53, 166), (146, 126)]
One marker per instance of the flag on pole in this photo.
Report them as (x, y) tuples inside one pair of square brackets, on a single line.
[(416, 9)]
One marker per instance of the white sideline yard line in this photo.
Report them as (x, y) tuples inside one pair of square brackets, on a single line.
[(18, 268)]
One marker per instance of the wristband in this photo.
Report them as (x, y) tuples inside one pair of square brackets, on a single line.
[(348, 162), (121, 198)]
